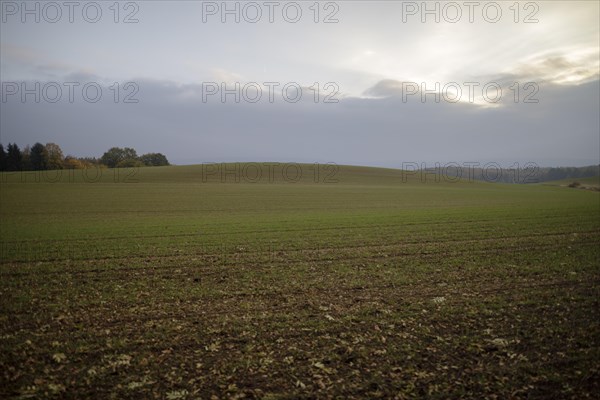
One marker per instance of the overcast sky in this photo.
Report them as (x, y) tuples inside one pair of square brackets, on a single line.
[(370, 61)]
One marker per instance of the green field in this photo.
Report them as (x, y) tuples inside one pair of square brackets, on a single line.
[(352, 283), (585, 183)]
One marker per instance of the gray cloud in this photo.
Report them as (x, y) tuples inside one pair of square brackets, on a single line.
[(562, 129)]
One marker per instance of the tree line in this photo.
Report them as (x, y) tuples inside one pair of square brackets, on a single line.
[(524, 175), (50, 156)]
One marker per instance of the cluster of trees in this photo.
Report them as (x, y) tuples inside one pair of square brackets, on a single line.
[(555, 174), (526, 174), (41, 157), (117, 157)]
